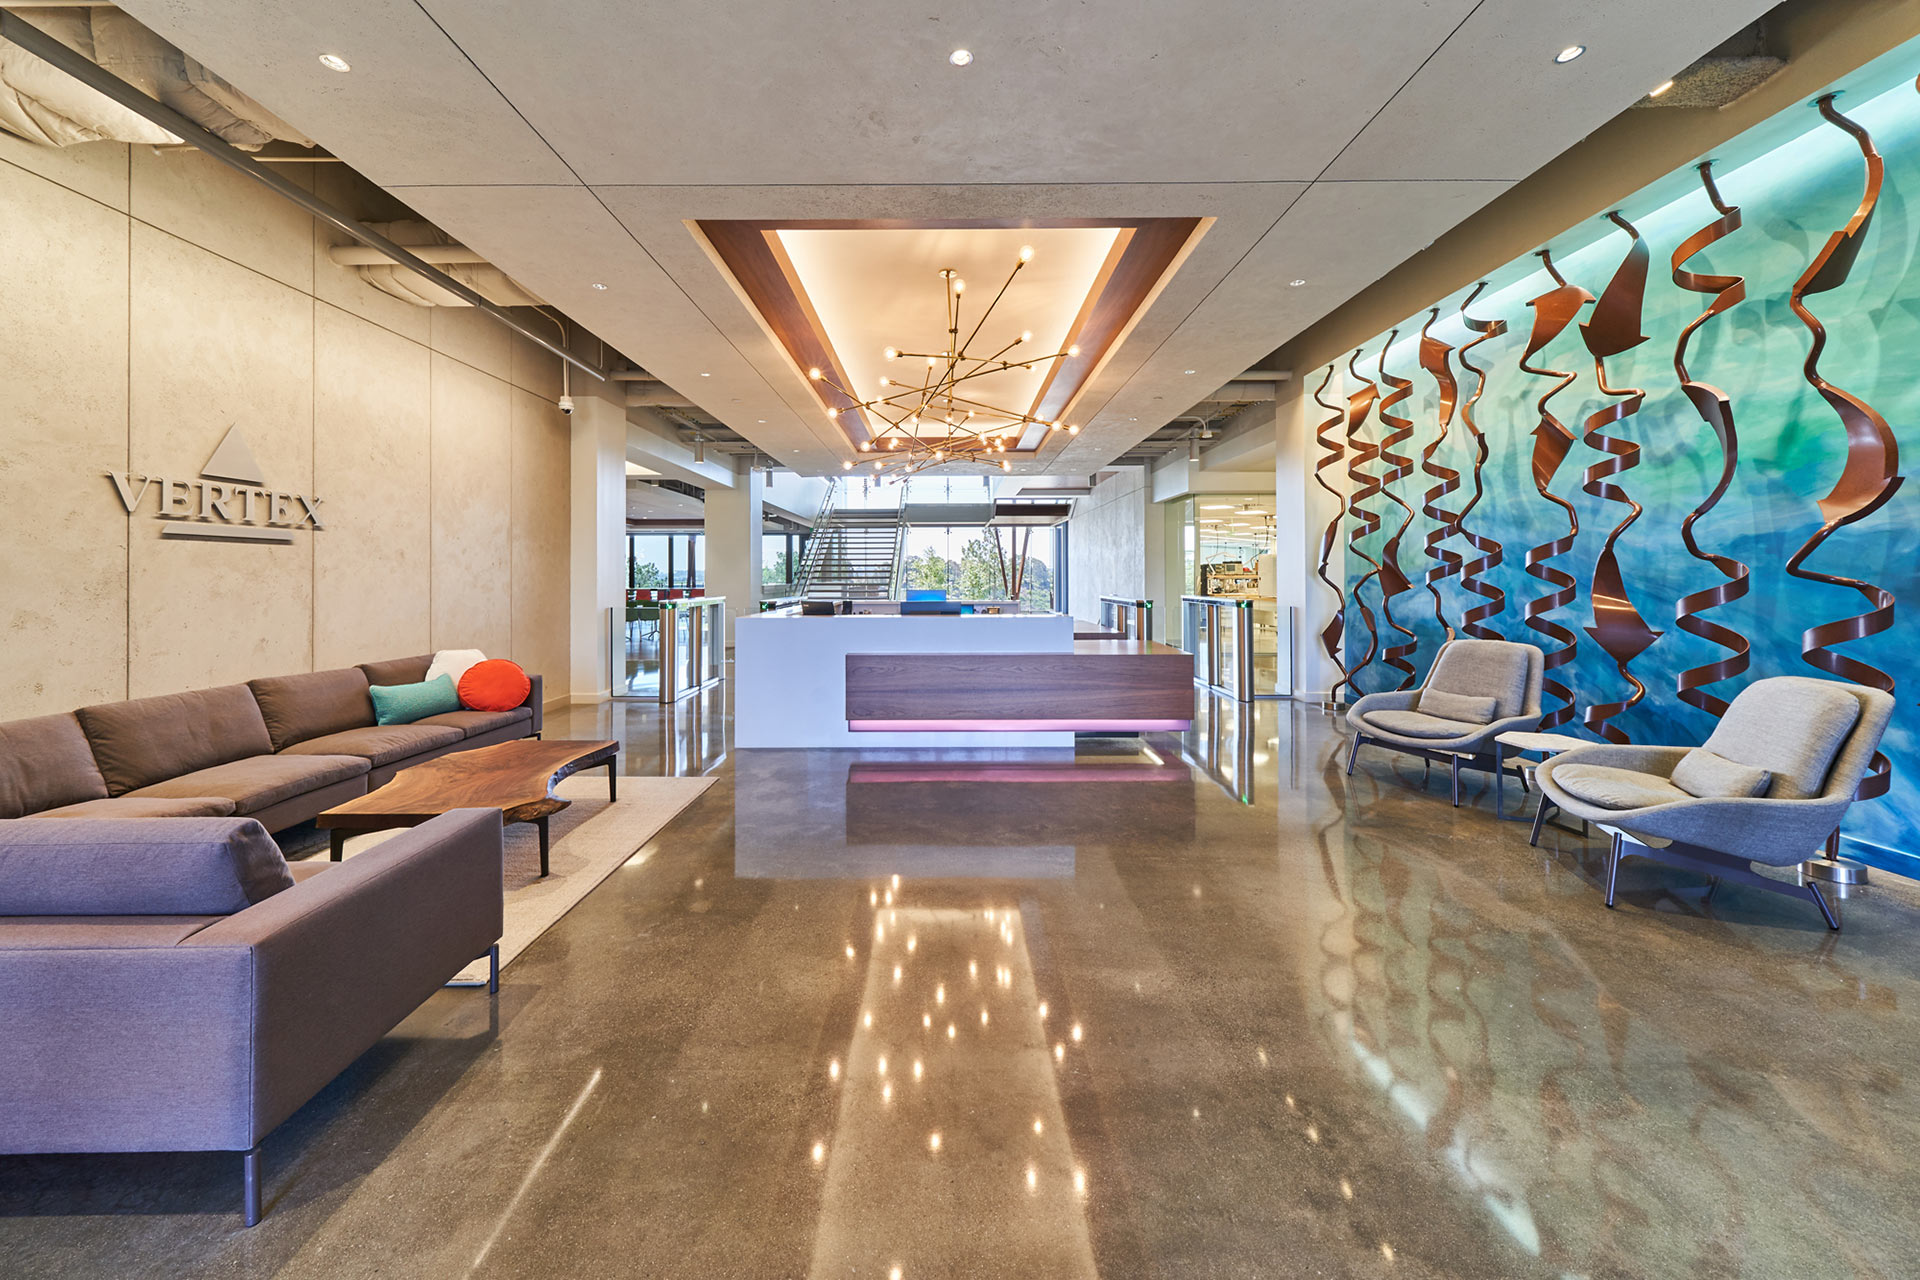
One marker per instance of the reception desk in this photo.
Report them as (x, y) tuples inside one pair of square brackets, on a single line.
[(973, 681)]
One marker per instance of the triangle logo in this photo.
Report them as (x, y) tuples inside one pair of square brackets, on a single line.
[(232, 460)]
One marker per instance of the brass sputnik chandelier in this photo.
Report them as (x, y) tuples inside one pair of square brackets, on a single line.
[(940, 418)]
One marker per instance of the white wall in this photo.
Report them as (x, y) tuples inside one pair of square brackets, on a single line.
[(148, 302), (1107, 543), (733, 519)]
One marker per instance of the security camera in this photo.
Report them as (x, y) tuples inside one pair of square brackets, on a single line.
[(566, 405)]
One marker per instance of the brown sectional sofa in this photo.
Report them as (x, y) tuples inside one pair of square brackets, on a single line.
[(278, 750)]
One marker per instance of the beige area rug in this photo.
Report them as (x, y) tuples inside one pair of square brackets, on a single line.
[(588, 840)]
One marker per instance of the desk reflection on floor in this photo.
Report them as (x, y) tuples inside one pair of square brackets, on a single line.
[(1010, 814)]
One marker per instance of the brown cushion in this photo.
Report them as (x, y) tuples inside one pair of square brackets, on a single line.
[(143, 807), (1416, 724), (1611, 788), (147, 740), (45, 762), (380, 743), (106, 867), (397, 670), (300, 707), (97, 933), (475, 723), (258, 781)]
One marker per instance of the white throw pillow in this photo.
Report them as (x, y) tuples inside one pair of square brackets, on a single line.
[(454, 662)]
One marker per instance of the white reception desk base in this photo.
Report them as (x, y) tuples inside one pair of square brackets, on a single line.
[(790, 673)]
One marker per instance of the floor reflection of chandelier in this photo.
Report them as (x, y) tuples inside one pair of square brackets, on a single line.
[(940, 419)]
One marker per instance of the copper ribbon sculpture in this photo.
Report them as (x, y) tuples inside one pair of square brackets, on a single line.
[(1393, 582), (1491, 553), (1716, 410), (1614, 329), (1871, 473), (1332, 451), (1361, 486), (1433, 358), (1553, 311)]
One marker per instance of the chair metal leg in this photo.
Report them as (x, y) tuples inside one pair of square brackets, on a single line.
[(493, 969), (250, 1184), (1613, 867), (1713, 887), (1499, 781), (1456, 782), (1820, 900), (1525, 788), (1353, 754), (1539, 820)]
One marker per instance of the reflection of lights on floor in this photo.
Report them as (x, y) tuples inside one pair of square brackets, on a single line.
[(833, 1069), (1386, 1251), (883, 1066), (819, 1152), (918, 1068), (1080, 1182), (1043, 1008), (1076, 1033), (1346, 1189), (1033, 1178), (1038, 1128), (933, 1142), (849, 951)]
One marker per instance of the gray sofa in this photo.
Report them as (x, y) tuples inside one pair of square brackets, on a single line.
[(279, 750), (176, 986)]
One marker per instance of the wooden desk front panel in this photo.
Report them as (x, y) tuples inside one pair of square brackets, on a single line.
[(1020, 686)]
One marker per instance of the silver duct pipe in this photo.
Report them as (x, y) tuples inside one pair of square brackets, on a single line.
[(47, 49)]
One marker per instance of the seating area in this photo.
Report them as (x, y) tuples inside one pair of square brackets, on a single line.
[(279, 749)]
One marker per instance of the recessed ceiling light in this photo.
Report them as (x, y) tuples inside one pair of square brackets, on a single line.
[(602, 288), (1187, 371), (1663, 87), (706, 375), (1569, 53), (960, 57), (334, 62), (1295, 284)]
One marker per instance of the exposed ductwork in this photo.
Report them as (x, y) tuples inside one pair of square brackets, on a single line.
[(430, 244), (44, 105)]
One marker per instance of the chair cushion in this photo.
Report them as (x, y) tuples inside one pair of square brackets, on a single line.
[(495, 685), (379, 744), (45, 762), (1494, 669), (313, 704), (259, 781), (114, 867), (1417, 724), (1612, 788), (398, 670), (1704, 774), (407, 703), (475, 723), (1791, 726), (144, 741), (1457, 706), (142, 807)]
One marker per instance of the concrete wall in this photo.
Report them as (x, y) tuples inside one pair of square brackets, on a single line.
[(1107, 543), (152, 301)]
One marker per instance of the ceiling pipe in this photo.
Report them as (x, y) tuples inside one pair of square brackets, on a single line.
[(631, 375), (359, 255), (47, 49), (659, 398)]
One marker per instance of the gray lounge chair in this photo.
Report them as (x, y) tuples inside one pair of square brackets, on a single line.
[(1500, 670), (1812, 738)]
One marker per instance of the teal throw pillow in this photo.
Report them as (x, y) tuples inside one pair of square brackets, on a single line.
[(405, 703)]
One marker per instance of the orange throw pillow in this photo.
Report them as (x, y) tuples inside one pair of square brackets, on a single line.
[(494, 685)]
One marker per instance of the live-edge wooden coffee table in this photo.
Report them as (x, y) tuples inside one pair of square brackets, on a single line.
[(516, 778)]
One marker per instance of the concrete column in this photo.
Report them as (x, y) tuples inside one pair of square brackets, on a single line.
[(733, 544), (1304, 509), (598, 541)]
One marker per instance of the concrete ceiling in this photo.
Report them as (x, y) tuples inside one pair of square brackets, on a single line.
[(573, 143)]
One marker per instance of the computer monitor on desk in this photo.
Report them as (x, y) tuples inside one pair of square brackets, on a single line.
[(926, 593)]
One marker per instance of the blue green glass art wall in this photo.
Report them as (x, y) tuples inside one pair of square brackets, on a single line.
[(1640, 437)]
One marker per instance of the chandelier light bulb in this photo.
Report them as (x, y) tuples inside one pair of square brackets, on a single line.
[(814, 373), (1026, 253), (890, 353), (1026, 335), (833, 413), (1006, 466), (1073, 431), (846, 466), (1073, 351), (959, 285), (886, 382)]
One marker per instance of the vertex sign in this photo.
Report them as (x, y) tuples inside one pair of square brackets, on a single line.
[(230, 502)]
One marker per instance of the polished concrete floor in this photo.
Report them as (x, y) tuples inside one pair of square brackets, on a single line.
[(1204, 1009)]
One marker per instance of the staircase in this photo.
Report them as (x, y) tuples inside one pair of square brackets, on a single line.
[(852, 555)]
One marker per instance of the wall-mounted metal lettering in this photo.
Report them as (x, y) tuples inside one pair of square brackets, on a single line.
[(230, 502)]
